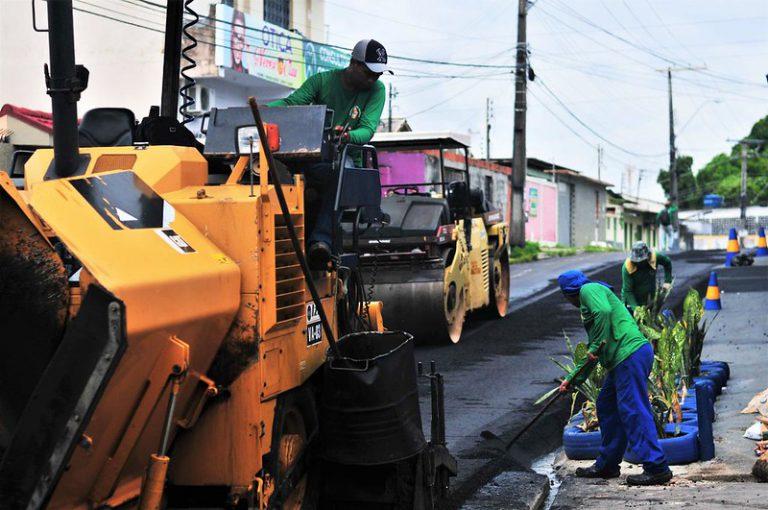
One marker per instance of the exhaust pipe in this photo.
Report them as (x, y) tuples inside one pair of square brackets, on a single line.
[(64, 84)]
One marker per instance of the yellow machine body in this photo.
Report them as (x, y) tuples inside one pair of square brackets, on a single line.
[(212, 290)]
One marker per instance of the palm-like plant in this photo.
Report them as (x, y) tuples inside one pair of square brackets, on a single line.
[(589, 389), (695, 331), (665, 381)]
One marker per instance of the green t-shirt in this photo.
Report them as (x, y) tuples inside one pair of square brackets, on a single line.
[(327, 88), (607, 322), (638, 286)]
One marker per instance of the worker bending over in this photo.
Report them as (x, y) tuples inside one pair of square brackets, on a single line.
[(623, 407), (357, 99), (638, 275)]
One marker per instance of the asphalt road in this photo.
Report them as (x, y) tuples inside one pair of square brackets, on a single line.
[(500, 367)]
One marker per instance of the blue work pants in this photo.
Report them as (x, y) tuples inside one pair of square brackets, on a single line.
[(625, 417), (321, 178)]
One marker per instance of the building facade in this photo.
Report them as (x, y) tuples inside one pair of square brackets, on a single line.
[(630, 219), (262, 48)]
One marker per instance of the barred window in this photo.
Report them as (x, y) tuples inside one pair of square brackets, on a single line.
[(278, 12)]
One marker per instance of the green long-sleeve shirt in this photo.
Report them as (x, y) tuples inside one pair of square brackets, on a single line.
[(638, 281), (608, 323), (327, 88)]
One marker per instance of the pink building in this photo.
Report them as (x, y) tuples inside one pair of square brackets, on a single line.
[(540, 210)]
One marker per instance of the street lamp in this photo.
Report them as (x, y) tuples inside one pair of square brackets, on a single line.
[(702, 105)]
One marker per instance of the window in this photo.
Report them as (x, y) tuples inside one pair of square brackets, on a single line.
[(278, 12), (488, 188)]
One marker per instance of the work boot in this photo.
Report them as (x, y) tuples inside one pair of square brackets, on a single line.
[(593, 472), (319, 255), (646, 478)]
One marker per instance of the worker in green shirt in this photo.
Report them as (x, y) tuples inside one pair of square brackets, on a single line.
[(357, 99), (623, 407), (638, 275)]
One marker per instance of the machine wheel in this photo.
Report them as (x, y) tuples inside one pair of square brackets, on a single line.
[(500, 282), (455, 309), (292, 443)]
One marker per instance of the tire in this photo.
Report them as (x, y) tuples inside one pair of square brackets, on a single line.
[(579, 445), (682, 449), (716, 375), (294, 424), (721, 364), (714, 386)]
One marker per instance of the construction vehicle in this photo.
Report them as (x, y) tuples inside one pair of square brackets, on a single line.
[(444, 252), (164, 341)]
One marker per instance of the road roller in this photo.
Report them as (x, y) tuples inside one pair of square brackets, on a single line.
[(163, 341), (444, 251)]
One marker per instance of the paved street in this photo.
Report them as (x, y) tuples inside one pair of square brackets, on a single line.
[(502, 366)]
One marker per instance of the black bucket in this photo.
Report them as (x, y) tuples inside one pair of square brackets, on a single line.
[(370, 403)]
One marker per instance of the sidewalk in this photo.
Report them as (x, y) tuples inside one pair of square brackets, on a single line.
[(739, 335)]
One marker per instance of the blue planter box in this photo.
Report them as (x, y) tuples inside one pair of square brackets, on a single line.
[(682, 449)]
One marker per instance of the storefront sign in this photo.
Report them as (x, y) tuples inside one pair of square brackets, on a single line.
[(319, 58), (251, 46)]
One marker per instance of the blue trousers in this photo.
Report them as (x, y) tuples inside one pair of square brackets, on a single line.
[(624, 413), (323, 180)]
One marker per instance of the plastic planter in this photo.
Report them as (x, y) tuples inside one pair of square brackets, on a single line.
[(682, 449), (690, 417), (716, 374), (580, 445), (690, 403), (708, 381), (720, 364)]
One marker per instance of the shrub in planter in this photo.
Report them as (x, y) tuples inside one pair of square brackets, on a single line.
[(664, 383)]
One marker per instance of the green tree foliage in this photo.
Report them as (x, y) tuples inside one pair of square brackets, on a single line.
[(687, 189), (722, 174)]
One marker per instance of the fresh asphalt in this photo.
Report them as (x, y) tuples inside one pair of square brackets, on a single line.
[(501, 366)]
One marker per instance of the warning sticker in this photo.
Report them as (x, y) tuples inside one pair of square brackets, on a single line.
[(314, 326), (174, 240)]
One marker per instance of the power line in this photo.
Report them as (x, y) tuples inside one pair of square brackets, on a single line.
[(302, 39), (589, 128), (269, 53)]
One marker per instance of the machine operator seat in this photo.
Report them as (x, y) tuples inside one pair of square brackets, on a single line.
[(107, 127)]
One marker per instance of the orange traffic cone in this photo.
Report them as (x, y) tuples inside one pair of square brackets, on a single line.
[(733, 247), (762, 247), (712, 300)]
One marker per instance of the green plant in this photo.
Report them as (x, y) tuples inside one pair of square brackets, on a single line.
[(527, 253), (588, 389), (695, 331), (665, 381)]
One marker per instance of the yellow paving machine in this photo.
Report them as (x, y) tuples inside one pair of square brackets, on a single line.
[(163, 342)]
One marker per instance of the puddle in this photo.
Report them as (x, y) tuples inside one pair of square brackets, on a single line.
[(545, 466)]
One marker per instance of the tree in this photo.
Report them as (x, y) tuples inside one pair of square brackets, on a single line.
[(687, 188), (722, 174)]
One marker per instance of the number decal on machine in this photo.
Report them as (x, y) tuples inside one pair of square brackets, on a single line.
[(314, 326)]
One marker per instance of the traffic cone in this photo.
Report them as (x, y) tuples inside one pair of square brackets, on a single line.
[(733, 247), (712, 300), (762, 247)]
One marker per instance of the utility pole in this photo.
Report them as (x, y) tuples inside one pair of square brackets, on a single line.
[(673, 195), (392, 96), (517, 222), (743, 185), (488, 117), (672, 166), (745, 143), (599, 162)]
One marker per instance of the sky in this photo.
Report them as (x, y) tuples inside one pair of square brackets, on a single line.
[(597, 80)]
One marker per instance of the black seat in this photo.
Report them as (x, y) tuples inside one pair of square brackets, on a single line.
[(107, 127)]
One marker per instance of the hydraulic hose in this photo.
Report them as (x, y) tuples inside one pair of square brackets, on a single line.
[(189, 82), (292, 229)]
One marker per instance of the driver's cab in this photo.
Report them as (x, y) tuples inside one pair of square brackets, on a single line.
[(299, 137)]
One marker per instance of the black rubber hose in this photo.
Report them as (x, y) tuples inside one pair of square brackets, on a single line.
[(291, 229)]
